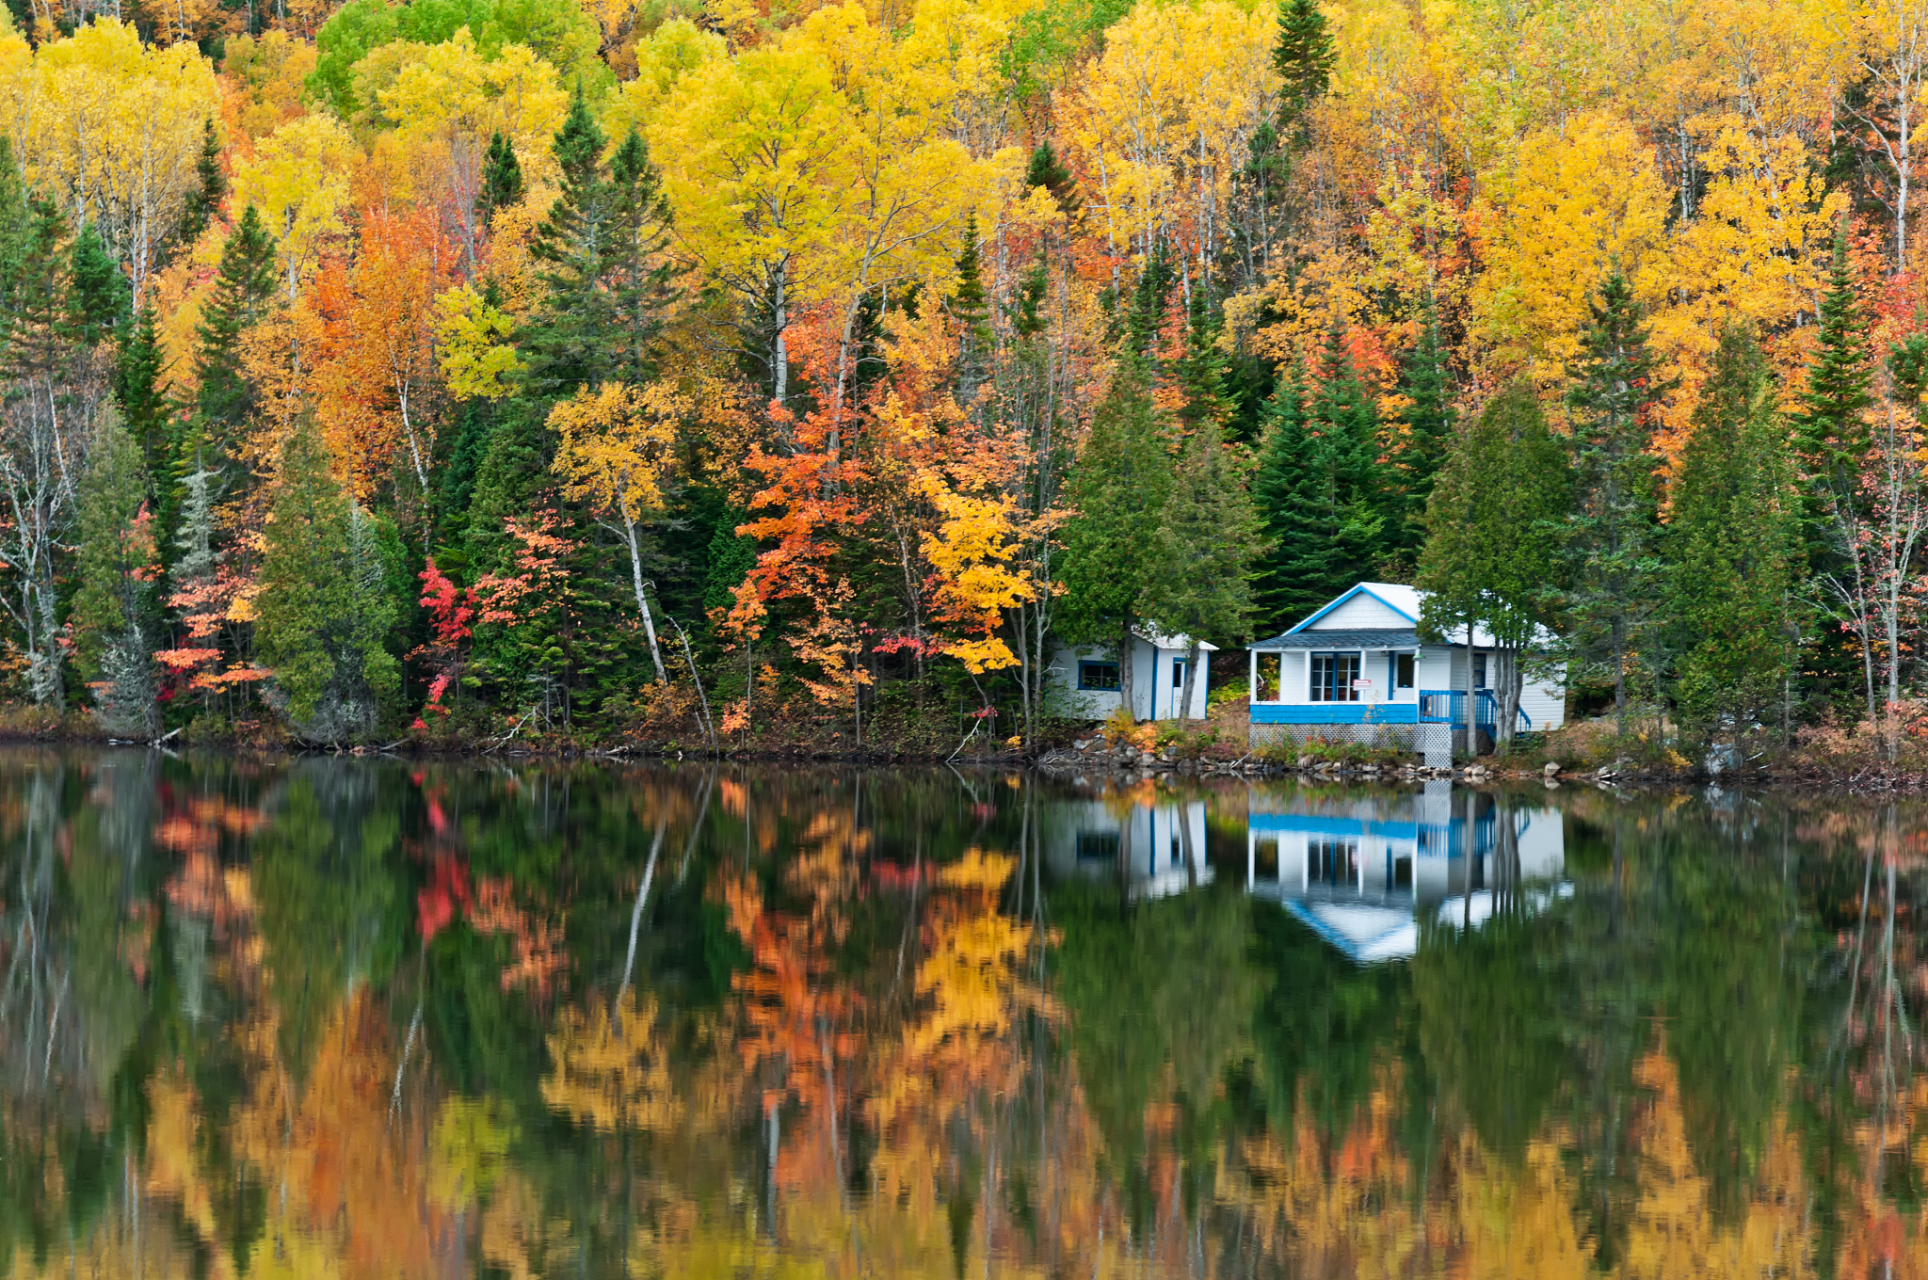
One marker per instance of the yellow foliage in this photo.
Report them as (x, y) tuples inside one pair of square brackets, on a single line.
[(606, 1071), (472, 344), (615, 444), (298, 179)]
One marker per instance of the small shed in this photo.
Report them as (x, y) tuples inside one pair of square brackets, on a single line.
[(1088, 682)]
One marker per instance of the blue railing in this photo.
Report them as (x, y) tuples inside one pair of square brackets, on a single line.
[(1448, 706)]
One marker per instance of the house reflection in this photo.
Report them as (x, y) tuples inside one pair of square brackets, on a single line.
[(1152, 850), (1364, 872)]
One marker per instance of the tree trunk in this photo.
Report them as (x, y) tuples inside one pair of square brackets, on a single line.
[(1619, 677), (642, 602), (1124, 672), (1191, 674)]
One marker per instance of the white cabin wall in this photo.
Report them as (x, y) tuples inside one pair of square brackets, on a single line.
[(1544, 700), (1361, 613), (1435, 668)]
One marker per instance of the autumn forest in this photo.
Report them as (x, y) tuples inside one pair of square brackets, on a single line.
[(491, 369)]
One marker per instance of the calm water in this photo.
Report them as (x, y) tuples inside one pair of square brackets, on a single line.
[(347, 1018)]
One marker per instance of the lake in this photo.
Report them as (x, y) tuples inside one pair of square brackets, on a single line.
[(345, 1017)]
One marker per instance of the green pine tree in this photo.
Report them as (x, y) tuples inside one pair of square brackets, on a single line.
[(1150, 304), (98, 296), (1203, 372), (1304, 57), (502, 183), (1733, 548), (144, 406), (1357, 495), (1427, 428), (1048, 171), (1208, 545), (209, 190), (325, 609), (1492, 557), (112, 614), (244, 291), (1299, 566), (1829, 433), (559, 345), (1612, 532), (1118, 487), (971, 313)]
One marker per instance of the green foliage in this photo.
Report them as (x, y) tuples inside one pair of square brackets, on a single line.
[(1205, 544), (1427, 419), (1615, 521), (1830, 436), (1118, 489), (1304, 57), (502, 184), (1733, 546), (325, 609), (210, 189), (244, 289), (1203, 371), (112, 613), (98, 296), (138, 367), (1299, 562)]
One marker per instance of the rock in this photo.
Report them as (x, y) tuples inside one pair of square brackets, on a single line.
[(1305, 762), (1082, 744), (1551, 769)]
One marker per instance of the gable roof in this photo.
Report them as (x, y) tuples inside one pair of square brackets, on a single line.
[(1401, 599)]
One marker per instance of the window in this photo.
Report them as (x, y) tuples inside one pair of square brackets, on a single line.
[(1332, 862), (1094, 846), (1268, 686), (1333, 675), (1178, 674), (1101, 677), (1402, 670), (1479, 671)]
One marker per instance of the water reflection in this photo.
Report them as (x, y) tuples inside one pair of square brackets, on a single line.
[(334, 1018)]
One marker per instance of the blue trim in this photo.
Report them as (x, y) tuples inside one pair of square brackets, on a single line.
[(1315, 824), (1361, 589), (1335, 713), (1097, 662), (1154, 684)]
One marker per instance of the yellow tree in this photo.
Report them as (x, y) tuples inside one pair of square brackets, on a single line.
[(114, 127), (298, 178), (613, 451), (1579, 203)]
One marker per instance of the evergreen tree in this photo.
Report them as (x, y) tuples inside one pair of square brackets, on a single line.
[(1355, 497), (502, 184), (1830, 435), (324, 609), (968, 309), (1118, 488), (1150, 304), (1427, 419), (1048, 171), (1298, 562), (210, 187), (1492, 559), (1733, 547), (112, 613), (1304, 57), (1615, 522), (98, 296), (565, 345), (244, 287), (144, 406), (1207, 544), (638, 275), (1203, 371)]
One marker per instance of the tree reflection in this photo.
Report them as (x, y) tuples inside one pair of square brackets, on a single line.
[(342, 1018)]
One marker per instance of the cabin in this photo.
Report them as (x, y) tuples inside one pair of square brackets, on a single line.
[(1356, 671), (1087, 683), (1150, 850)]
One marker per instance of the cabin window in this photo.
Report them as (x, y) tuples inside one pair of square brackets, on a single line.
[(1402, 670), (1334, 676), (1099, 677), (1332, 862), (1178, 673), (1479, 671), (1268, 677), (1094, 846)]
